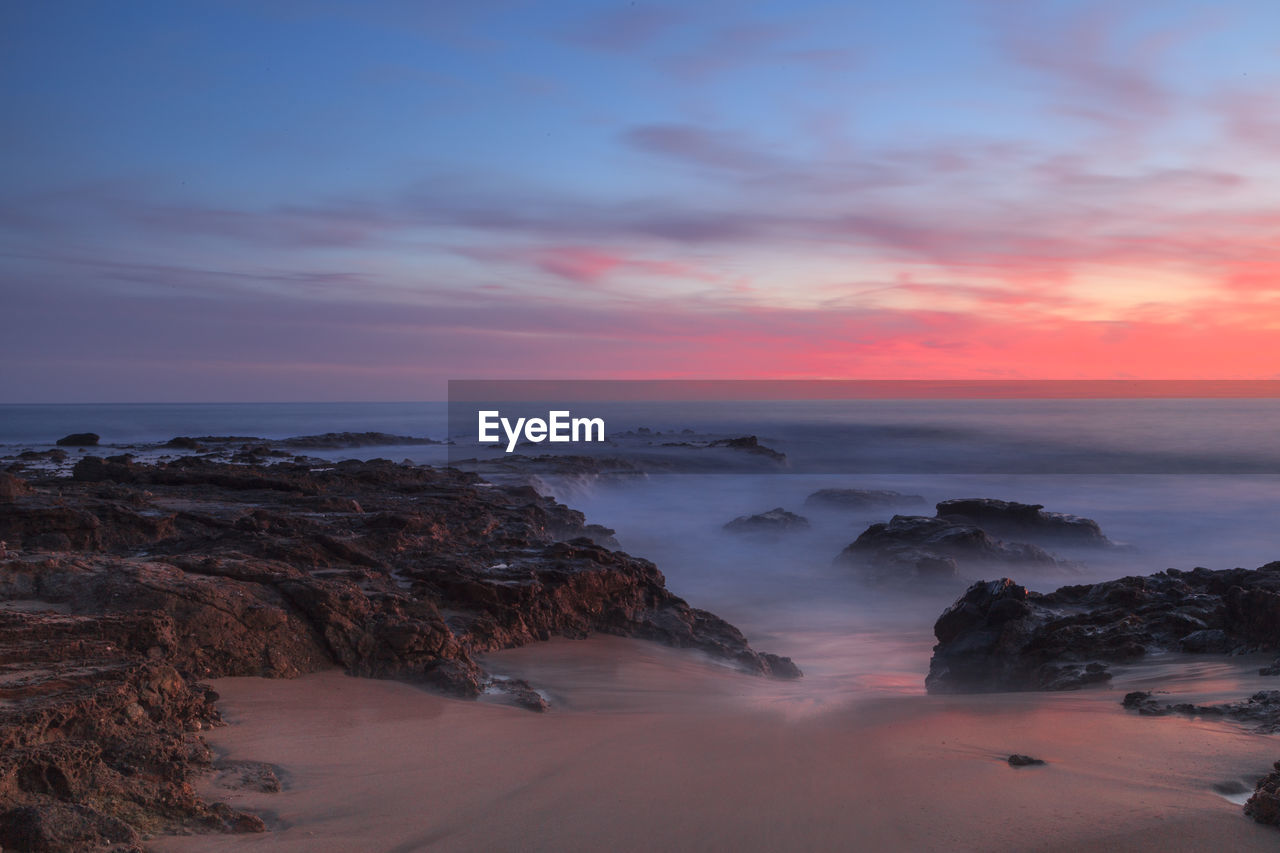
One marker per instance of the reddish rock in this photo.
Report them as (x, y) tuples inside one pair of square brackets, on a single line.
[(166, 574)]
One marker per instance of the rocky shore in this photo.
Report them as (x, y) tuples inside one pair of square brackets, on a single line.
[(124, 587), (999, 636)]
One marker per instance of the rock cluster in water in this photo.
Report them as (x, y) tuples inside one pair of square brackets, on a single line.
[(1024, 521), (1261, 710), (860, 499), (962, 539), (776, 520), (999, 636)]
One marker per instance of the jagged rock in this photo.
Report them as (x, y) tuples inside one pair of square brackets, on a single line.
[(987, 642), (776, 520), (1023, 521), (1145, 704), (520, 693), (999, 636), (198, 568), (859, 499), (79, 439), (915, 547), (1206, 641), (602, 536), (1271, 669), (1264, 805), (1019, 760), (1262, 709)]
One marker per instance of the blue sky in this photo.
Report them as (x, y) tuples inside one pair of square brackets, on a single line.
[(361, 200)]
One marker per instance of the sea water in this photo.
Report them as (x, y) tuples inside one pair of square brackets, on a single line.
[(1178, 483)]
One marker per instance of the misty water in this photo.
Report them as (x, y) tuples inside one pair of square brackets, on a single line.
[(1179, 483)]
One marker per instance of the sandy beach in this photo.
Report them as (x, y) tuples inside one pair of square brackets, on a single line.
[(655, 749)]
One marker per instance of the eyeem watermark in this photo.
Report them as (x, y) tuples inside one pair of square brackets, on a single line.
[(559, 426)]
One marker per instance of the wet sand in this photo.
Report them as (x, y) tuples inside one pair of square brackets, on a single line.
[(654, 749)]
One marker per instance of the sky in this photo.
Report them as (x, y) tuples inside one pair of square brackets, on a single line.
[(277, 201)]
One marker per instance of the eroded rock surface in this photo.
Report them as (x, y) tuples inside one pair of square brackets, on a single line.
[(773, 522), (1261, 710), (124, 587), (1023, 521), (916, 547), (999, 636), (859, 499)]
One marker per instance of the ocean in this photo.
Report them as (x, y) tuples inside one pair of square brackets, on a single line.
[(1179, 483)]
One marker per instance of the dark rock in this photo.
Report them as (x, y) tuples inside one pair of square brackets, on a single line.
[(602, 536), (985, 643), (1271, 669), (1144, 703), (183, 442), (520, 693), (79, 439), (52, 455), (1262, 709), (1018, 760), (776, 520), (998, 636), (344, 440), (1023, 521), (1206, 641), (750, 444), (1264, 805), (859, 499), (916, 547), (780, 667)]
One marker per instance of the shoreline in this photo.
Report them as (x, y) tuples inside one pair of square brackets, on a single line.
[(364, 758)]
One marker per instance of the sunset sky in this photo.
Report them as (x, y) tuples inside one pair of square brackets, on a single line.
[(359, 201)]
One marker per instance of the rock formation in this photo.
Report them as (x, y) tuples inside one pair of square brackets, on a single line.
[(999, 636), (775, 521), (128, 585)]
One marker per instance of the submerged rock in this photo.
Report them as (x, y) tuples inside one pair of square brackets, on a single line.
[(917, 547), (751, 444), (79, 439), (342, 440), (776, 520), (1262, 709), (1024, 521), (857, 499), (999, 636)]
